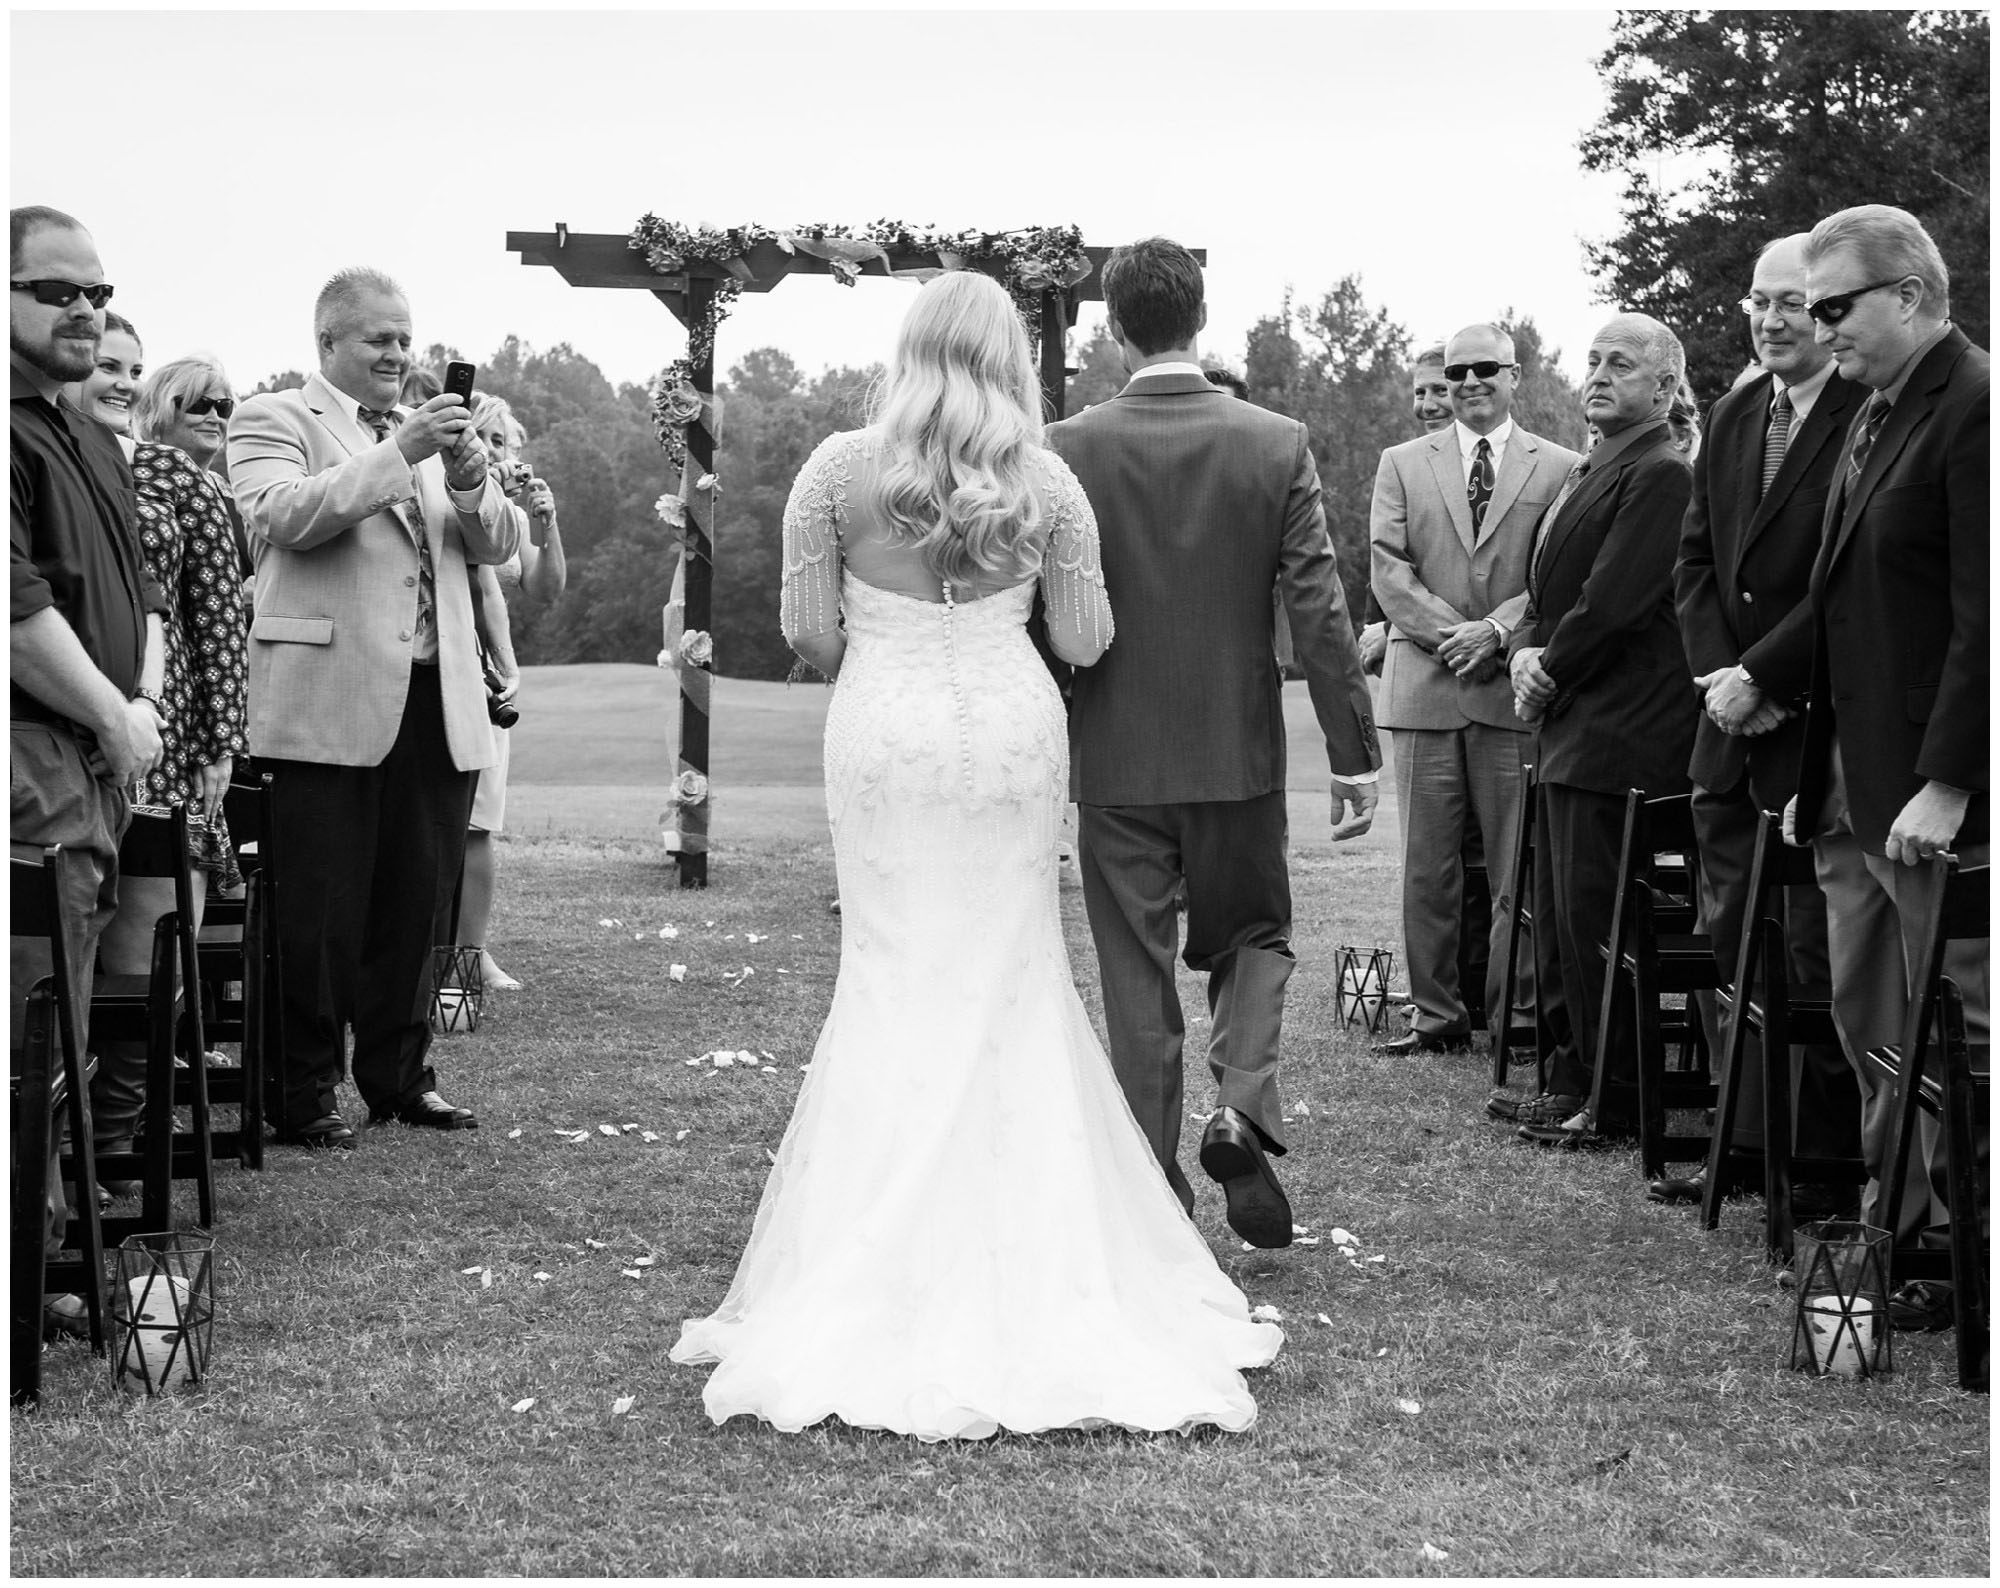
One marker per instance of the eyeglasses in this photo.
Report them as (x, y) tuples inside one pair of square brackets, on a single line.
[(203, 405), (1790, 306), (1483, 369), (1834, 307), (61, 294)]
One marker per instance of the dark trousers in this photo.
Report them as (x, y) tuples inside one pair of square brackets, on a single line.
[(1826, 1103), (366, 853), (1577, 832), (1239, 921)]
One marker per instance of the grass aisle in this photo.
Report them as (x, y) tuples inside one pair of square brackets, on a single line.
[(1542, 1374)]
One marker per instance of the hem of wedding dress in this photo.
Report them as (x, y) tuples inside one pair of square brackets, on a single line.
[(980, 1426)]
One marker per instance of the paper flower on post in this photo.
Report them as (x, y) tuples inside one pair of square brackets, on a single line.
[(673, 511), (697, 648), (680, 404), (705, 483), (690, 788)]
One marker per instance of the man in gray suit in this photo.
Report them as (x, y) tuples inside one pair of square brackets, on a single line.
[(1453, 517), (366, 702), (1177, 737)]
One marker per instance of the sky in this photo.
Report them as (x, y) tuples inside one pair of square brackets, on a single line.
[(227, 162)]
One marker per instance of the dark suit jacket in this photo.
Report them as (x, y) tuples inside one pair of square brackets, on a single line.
[(1741, 585), (1203, 502), (1899, 608), (1601, 600)]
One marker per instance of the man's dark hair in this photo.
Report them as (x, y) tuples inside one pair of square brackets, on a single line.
[(1228, 380), (32, 218), (1153, 290)]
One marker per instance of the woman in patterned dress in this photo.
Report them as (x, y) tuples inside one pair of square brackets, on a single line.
[(186, 538)]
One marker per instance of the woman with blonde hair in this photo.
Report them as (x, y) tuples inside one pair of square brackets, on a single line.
[(964, 1231)]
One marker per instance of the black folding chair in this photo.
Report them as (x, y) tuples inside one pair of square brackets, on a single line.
[(161, 1009), (48, 1080), (238, 953), (1654, 953), (1521, 919)]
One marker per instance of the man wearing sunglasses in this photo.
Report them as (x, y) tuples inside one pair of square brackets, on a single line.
[(86, 636), (1761, 482), (1894, 767), (367, 704), (1450, 525)]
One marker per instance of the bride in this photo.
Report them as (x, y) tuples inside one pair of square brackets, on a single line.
[(965, 1230)]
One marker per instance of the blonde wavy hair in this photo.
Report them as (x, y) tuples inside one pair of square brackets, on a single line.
[(960, 411)]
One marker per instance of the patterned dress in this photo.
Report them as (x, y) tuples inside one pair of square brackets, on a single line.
[(185, 536)]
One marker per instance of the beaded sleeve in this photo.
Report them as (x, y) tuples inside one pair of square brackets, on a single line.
[(1079, 612), (810, 600)]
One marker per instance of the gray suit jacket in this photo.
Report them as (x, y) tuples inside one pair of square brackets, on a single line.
[(1431, 573), (1203, 503), (336, 603)]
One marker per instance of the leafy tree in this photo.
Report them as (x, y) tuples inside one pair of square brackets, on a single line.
[(1796, 114), (284, 380), (1546, 400), (1100, 374)]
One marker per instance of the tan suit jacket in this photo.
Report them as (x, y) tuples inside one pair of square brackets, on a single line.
[(326, 508), (1430, 572)]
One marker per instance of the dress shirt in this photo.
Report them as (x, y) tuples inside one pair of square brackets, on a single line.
[(465, 501), (1804, 394), (1468, 444), (1894, 389), (74, 545)]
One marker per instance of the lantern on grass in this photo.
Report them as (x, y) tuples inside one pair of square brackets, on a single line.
[(162, 1310), (1841, 1323), (1361, 990), (457, 990)]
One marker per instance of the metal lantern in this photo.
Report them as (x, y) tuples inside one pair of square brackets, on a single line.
[(162, 1310), (1840, 1324), (1361, 989), (457, 990)]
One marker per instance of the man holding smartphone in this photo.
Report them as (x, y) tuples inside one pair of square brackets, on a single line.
[(366, 701)]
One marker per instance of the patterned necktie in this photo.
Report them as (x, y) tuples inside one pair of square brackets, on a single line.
[(1871, 427), (1776, 439), (1479, 488), (382, 421)]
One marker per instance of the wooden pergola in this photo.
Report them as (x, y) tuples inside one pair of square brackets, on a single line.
[(607, 259)]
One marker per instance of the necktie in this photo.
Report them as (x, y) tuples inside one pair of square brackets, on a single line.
[(1871, 427), (1776, 439), (1479, 487), (424, 646)]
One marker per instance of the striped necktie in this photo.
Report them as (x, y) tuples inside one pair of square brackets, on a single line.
[(1479, 486), (1570, 482), (1776, 439), (1871, 426), (383, 421)]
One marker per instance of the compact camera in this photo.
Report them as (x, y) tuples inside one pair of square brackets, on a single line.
[(501, 713), (515, 477)]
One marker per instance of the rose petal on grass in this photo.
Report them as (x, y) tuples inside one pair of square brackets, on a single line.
[(595, 1246), (708, 923), (1383, 1352), (624, 1404), (1266, 1313), (680, 1135), (670, 932), (1379, 1257), (472, 1270), (721, 1060), (514, 1134), (644, 1262), (540, 1277), (1341, 1237), (798, 937), (521, 1406), (485, 1279), (649, 1135), (1432, 1552), (607, 1130), (1408, 1407), (1305, 1240), (631, 1273), (1321, 1317), (755, 937), (677, 973), (638, 937), (766, 1053), (770, 1069)]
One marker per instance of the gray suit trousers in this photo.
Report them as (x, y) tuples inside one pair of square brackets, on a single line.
[(1231, 854)]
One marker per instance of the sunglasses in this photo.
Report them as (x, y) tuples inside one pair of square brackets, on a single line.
[(205, 405), (1834, 307), (61, 294), (1484, 369)]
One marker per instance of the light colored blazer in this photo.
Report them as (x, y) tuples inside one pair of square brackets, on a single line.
[(1429, 573), (324, 504)]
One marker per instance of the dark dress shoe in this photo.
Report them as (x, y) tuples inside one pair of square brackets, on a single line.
[(1922, 1304), (1232, 1155), (1551, 1108), (328, 1131), (1670, 1188), (428, 1110), (1419, 1042), (1578, 1133), (65, 1318)]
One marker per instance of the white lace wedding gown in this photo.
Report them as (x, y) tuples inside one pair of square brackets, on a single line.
[(964, 1230)]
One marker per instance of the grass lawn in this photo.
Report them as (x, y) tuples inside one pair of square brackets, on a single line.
[(1543, 1375)]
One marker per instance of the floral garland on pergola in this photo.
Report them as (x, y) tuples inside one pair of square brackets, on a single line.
[(1031, 261)]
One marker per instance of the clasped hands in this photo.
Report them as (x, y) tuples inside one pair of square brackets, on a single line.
[(1534, 690), (1737, 706), (443, 426), (1470, 650)]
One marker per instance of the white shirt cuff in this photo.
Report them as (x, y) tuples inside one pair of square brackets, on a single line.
[(1361, 777), (1501, 629), (467, 501)]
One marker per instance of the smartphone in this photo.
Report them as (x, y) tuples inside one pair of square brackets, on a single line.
[(458, 381)]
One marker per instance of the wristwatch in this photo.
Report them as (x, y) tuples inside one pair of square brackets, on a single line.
[(153, 700)]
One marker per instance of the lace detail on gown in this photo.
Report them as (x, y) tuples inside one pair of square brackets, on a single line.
[(964, 1229)]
